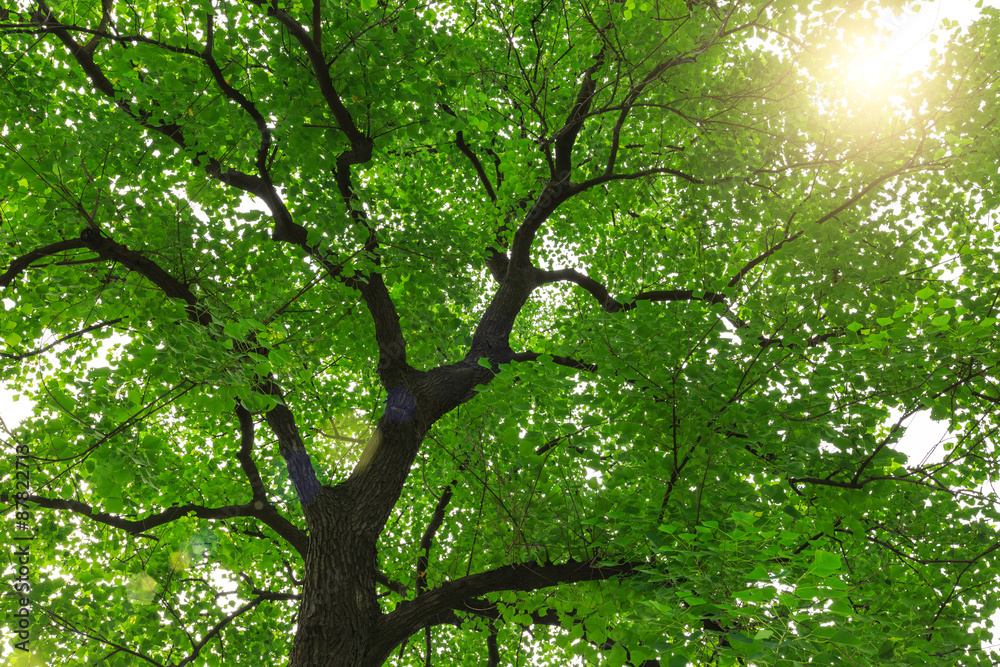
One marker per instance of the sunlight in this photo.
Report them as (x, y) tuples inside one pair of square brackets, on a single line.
[(906, 41)]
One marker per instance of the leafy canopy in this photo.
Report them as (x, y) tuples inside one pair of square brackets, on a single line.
[(698, 276)]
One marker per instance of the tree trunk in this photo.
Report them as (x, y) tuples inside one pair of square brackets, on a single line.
[(338, 610)]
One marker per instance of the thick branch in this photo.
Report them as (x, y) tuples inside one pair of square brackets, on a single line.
[(283, 222), (393, 368), (317, 24), (388, 334), (108, 249), (84, 58), (559, 187), (610, 304), (139, 526), (266, 512), (260, 186), (23, 262), (361, 144), (566, 137), (245, 455), (292, 448), (557, 190), (274, 520), (410, 616), (492, 648), (675, 295), (492, 336), (106, 7), (483, 178)]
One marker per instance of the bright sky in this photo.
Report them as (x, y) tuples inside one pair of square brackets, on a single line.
[(906, 38)]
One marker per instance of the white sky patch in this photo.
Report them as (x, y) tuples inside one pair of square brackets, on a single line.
[(924, 439)]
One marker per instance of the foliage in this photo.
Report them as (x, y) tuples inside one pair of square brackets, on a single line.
[(630, 303)]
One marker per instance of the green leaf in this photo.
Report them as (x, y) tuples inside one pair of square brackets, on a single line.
[(825, 564), (941, 320)]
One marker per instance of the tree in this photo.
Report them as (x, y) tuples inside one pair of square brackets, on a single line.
[(463, 333)]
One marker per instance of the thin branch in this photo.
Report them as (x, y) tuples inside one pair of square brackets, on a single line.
[(394, 586), (427, 540), (46, 23), (61, 621), (562, 361), (633, 96), (317, 24), (492, 648), (75, 334), (812, 341), (735, 280), (643, 173), (218, 627), (263, 511)]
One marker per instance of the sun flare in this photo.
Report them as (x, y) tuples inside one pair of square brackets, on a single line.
[(906, 42)]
